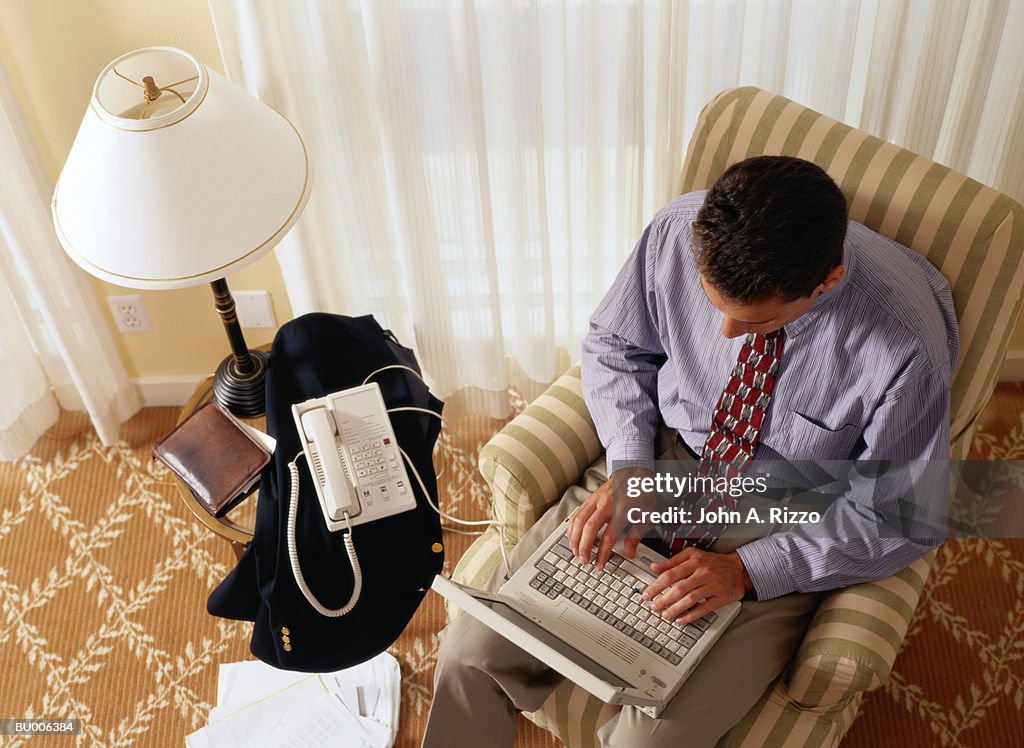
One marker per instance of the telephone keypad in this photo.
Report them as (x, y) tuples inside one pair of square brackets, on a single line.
[(371, 461)]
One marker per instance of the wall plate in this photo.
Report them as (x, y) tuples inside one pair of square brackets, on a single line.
[(129, 313), (254, 309)]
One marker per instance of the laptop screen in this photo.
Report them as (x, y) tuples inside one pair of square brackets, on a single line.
[(566, 650)]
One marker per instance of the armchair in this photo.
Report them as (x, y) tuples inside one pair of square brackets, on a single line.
[(973, 234)]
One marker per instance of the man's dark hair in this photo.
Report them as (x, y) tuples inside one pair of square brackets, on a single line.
[(770, 227)]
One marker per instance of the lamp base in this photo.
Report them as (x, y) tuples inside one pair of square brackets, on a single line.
[(241, 392)]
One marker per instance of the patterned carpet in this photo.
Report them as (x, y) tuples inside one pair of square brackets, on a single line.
[(104, 576)]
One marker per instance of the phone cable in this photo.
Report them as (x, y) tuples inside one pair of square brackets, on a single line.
[(293, 553), (493, 522)]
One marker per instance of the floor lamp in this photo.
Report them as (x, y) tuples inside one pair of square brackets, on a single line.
[(178, 177)]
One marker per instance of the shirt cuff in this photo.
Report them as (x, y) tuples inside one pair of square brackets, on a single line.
[(628, 452), (767, 569)]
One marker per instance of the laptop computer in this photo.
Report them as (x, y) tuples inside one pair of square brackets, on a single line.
[(593, 626)]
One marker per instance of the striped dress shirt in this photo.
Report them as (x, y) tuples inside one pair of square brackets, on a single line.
[(865, 375)]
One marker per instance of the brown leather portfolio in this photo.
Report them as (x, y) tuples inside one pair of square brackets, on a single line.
[(215, 457)]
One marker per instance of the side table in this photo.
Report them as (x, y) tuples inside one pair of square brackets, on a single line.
[(236, 526)]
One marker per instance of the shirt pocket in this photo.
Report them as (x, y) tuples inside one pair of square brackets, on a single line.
[(694, 424), (812, 439)]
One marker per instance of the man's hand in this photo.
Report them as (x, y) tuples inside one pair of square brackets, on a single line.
[(693, 583), (603, 514)]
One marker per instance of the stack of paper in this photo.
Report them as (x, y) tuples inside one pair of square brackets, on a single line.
[(258, 705)]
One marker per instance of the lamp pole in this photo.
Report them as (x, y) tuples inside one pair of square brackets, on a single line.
[(238, 384)]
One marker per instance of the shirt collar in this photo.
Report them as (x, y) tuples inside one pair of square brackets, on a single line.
[(826, 299)]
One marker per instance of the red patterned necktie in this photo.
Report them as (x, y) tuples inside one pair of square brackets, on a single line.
[(735, 428)]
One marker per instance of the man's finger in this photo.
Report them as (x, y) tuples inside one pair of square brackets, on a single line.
[(698, 611), (591, 529), (672, 576), (671, 593), (633, 535), (683, 602), (604, 550), (576, 522), (630, 544)]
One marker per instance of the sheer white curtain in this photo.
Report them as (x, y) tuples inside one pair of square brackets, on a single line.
[(482, 168), (55, 349)]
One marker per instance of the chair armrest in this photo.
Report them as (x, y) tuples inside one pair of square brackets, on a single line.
[(531, 462), (854, 638)]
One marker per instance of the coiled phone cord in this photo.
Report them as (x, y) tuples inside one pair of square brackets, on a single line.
[(293, 553)]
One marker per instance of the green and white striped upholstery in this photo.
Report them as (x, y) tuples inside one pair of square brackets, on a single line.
[(973, 234)]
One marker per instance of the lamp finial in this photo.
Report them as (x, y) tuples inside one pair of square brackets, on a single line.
[(152, 92)]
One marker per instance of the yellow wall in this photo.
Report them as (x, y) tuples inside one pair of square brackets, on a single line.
[(53, 50)]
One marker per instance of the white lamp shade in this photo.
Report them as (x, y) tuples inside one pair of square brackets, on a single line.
[(207, 181)]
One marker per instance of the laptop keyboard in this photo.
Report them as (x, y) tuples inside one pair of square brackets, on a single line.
[(614, 597)]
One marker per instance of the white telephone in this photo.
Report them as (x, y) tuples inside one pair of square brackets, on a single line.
[(357, 469), (354, 457)]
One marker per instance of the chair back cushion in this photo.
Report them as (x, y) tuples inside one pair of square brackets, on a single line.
[(972, 233)]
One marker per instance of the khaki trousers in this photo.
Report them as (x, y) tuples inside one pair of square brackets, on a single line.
[(482, 680)]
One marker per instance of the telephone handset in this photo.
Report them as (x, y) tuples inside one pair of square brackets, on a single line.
[(329, 463)]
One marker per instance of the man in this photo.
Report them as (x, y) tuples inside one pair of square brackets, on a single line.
[(831, 343)]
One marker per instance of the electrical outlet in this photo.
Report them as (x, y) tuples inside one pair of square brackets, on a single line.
[(254, 309), (129, 313)]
